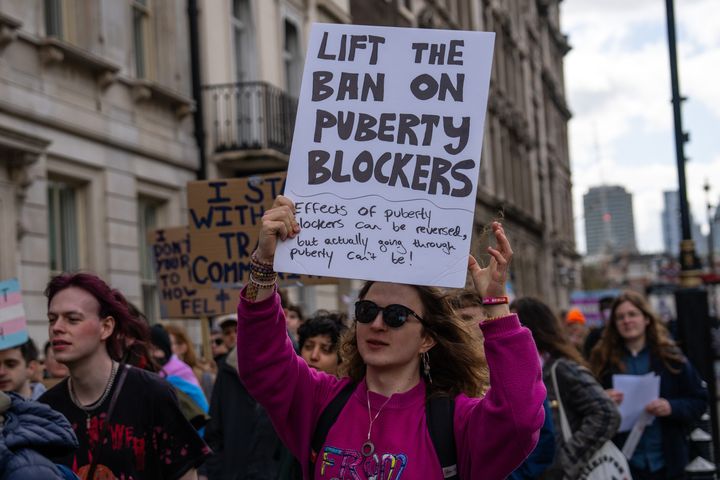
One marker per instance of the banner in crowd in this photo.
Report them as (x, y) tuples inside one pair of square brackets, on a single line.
[(179, 297), (13, 323), (386, 153), (225, 217)]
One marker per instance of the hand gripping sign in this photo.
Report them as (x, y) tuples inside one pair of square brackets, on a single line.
[(386, 153)]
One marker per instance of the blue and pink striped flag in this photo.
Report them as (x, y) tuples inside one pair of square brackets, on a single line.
[(13, 324)]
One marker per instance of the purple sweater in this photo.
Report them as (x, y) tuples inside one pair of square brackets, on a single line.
[(493, 434)]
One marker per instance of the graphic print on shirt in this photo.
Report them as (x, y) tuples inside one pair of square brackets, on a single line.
[(101, 473), (348, 464), (119, 437)]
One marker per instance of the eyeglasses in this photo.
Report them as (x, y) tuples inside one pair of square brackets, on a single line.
[(217, 341), (394, 315)]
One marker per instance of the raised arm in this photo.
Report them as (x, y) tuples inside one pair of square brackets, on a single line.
[(292, 393), (490, 281), (278, 223), (496, 433)]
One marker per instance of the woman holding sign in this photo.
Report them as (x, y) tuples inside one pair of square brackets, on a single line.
[(408, 406), (635, 342)]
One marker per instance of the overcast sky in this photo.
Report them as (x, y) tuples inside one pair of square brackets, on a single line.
[(618, 84)]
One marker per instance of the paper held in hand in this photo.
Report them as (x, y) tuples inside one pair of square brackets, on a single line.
[(386, 153), (638, 391)]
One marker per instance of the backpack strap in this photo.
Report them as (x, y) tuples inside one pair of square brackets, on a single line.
[(327, 420), (440, 414)]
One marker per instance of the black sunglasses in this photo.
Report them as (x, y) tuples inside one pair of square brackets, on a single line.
[(393, 315), (218, 341)]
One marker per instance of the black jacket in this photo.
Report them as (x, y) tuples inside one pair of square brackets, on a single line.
[(688, 398), (239, 432), (592, 416)]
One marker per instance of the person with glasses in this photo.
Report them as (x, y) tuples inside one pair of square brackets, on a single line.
[(229, 332), (636, 342), (217, 344), (406, 346)]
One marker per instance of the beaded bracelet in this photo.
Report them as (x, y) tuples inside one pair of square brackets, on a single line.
[(260, 270), (253, 288), (260, 267), (255, 260), (262, 276), (264, 282)]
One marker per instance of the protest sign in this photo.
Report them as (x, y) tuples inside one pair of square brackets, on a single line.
[(225, 217), (179, 297), (13, 324), (386, 153)]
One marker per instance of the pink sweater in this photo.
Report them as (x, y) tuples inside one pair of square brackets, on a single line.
[(493, 434)]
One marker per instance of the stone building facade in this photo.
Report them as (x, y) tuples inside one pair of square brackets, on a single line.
[(525, 173), (251, 68), (526, 159), (96, 140)]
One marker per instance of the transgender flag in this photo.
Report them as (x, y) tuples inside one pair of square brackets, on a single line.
[(13, 325)]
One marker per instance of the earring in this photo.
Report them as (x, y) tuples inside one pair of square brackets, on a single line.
[(426, 365)]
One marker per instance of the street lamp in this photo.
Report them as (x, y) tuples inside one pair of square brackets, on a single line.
[(690, 265), (693, 316), (711, 241)]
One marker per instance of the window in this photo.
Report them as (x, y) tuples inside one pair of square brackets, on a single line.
[(60, 19), (142, 38), (53, 18), (293, 60), (147, 222), (242, 41), (64, 227)]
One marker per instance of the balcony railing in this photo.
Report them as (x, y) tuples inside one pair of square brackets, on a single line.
[(250, 116)]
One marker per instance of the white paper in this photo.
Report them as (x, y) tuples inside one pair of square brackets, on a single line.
[(387, 205), (638, 391)]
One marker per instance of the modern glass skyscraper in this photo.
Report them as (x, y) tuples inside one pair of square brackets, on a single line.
[(609, 220)]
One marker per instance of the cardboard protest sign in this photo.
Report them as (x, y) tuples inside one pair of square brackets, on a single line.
[(386, 153), (225, 217), (179, 297), (13, 324)]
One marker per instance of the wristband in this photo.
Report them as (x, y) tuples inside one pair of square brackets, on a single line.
[(495, 300)]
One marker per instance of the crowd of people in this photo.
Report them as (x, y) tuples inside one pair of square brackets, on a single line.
[(417, 383)]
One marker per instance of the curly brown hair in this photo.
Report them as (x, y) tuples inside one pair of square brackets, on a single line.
[(457, 360), (607, 355)]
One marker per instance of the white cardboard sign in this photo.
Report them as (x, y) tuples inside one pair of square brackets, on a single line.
[(386, 153)]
